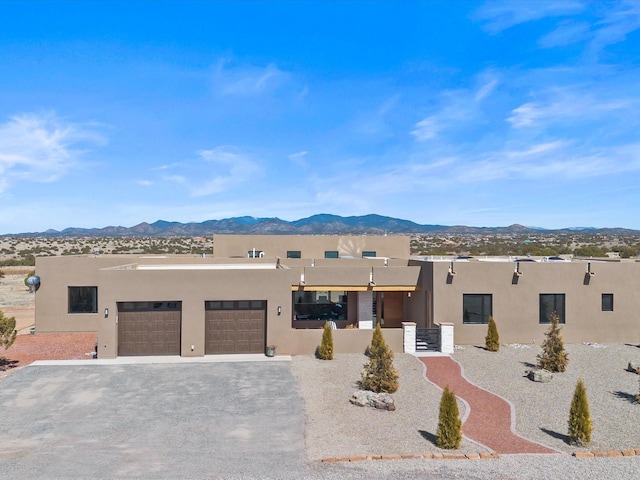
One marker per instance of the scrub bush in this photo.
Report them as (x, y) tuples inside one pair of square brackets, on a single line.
[(325, 350), (553, 357), (580, 426), (7, 330), (492, 340), (449, 434), (379, 374)]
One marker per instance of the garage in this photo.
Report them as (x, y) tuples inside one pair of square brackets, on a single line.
[(149, 328), (235, 326)]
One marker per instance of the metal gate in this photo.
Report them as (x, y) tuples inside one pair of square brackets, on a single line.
[(427, 339)]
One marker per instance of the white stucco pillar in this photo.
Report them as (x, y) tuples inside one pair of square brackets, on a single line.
[(446, 338), (365, 310), (409, 337)]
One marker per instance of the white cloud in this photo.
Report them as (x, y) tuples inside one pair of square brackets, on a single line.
[(563, 104), (41, 147), (299, 158), (501, 15), (247, 80), (219, 169)]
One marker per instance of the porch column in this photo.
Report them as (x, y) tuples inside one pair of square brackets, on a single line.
[(365, 310), (446, 338), (409, 337)]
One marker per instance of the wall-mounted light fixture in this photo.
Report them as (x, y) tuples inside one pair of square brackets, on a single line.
[(408, 294), (451, 272), (516, 270), (589, 272), (106, 312), (302, 278), (279, 310), (371, 282)]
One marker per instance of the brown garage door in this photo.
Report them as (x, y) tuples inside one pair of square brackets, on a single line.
[(230, 329), (149, 328)]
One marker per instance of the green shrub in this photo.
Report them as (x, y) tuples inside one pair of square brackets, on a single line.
[(379, 374), (553, 357), (580, 426), (449, 434), (492, 340), (7, 330), (325, 350)]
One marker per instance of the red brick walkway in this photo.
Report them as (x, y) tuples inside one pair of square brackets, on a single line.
[(489, 420)]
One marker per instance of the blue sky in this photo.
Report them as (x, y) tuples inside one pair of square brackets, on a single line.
[(452, 112)]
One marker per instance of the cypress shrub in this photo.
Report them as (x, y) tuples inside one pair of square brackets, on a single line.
[(492, 340), (325, 350), (379, 374), (7, 330), (449, 434), (553, 357), (580, 426)]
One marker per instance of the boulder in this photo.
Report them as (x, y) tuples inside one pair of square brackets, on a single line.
[(381, 401), (540, 375)]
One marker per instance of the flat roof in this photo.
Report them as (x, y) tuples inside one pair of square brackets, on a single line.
[(208, 266)]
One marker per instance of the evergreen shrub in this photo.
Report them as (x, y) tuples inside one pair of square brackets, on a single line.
[(379, 375), (449, 434)]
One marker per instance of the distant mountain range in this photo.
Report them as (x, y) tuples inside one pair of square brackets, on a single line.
[(316, 224)]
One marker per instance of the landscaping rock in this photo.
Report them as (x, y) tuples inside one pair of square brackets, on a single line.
[(381, 401), (539, 375)]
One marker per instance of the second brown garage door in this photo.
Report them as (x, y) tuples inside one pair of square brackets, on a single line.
[(230, 329), (149, 328)]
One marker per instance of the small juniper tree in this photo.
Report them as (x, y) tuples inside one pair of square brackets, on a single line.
[(492, 340), (449, 434), (7, 330), (580, 426), (325, 350), (553, 357), (379, 374)]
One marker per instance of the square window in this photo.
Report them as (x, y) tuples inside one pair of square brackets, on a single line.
[(551, 303), (607, 302), (83, 299), (476, 308)]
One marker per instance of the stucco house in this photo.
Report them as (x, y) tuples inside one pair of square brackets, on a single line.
[(259, 290)]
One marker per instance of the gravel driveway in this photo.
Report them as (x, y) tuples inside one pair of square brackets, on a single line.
[(215, 420)]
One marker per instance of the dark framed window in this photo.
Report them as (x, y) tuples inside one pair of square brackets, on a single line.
[(83, 299), (294, 254), (369, 253), (235, 305), (320, 305), (477, 307), (330, 254), (149, 306), (607, 302), (550, 303)]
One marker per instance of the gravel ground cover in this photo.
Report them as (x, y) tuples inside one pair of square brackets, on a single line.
[(542, 409), (336, 428)]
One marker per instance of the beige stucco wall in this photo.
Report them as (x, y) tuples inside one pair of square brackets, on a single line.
[(118, 279), (311, 246), (516, 305)]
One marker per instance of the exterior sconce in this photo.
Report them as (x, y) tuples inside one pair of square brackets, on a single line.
[(106, 312), (302, 278), (451, 272), (408, 294), (279, 310), (589, 272), (371, 282), (517, 271)]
